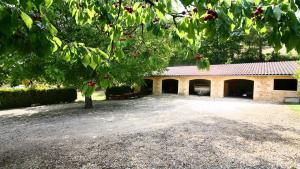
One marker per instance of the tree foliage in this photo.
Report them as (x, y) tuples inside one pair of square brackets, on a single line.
[(83, 60), (240, 48), (109, 41)]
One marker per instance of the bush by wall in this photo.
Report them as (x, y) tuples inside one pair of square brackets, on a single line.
[(121, 92), (14, 98)]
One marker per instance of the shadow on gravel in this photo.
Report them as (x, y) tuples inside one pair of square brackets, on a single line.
[(62, 111), (100, 107), (221, 143)]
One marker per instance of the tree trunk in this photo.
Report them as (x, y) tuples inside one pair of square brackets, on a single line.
[(88, 102), (260, 50)]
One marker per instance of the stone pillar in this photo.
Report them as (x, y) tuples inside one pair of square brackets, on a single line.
[(217, 87), (157, 86), (183, 86), (263, 88), (298, 87)]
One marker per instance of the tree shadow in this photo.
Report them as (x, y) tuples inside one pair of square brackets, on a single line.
[(76, 109), (220, 143)]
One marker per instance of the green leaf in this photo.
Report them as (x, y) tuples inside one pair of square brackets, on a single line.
[(27, 20), (136, 6), (88, 90), (90, 13), (181, 34), (48, 3), (228, 2), (67, 56), (203, 64), (94, 62), (186, 2), (104, 84), (103, 54), (86, 60), (263, 30), (297, 2), (277, 12), (57, 41), (52, 29), (54, 46)]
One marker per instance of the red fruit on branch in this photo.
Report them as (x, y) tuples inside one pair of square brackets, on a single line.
[(91, 83), (128, 9), (258, 11), (198, 57), (211, 15), (208, 18), (212, 12)]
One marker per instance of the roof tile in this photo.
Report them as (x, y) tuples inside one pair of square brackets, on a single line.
[(242, 69)]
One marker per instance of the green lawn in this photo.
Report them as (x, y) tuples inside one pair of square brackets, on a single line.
[(98, 95), (295, 108)]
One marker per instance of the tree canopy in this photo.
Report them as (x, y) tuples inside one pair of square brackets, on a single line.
[(28, 26), (108, 42)]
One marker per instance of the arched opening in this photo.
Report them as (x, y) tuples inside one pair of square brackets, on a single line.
[(170, 86), (239, 88), (199, 87), (147, 87)]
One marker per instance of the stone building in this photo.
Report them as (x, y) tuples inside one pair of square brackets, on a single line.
[(270, 81)]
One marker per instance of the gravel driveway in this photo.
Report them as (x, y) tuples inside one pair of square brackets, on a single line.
[(152, 132)]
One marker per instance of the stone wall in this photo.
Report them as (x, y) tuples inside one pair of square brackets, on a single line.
[(263, 86)]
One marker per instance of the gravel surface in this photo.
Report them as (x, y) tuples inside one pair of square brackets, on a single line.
[(152, 132)]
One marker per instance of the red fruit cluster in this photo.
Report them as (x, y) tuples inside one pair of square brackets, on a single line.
[(258, 11), (128, 9), (198, 57), (211, 15), (91, 83)]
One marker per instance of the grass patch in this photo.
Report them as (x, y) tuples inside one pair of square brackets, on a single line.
[(295, 108), (97, 95)]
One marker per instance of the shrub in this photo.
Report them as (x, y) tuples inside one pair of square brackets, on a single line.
[(122, 92), (14, 98), (119, 90)]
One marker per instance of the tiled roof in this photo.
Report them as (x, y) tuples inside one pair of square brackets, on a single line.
[(243, 69)]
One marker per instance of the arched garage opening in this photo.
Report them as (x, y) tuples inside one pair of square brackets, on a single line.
[(239, 88), (147, 87), (170, 86), (199, 87)]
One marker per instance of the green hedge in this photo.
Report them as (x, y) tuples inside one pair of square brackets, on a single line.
[(118, 90), (27, 97)]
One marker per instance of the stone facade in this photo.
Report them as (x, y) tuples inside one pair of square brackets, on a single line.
[(263, 86)]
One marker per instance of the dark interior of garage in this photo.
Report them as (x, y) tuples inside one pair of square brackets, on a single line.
[(147, 87), (285, 84), (199, 87), (239, 88), (170, 86)]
